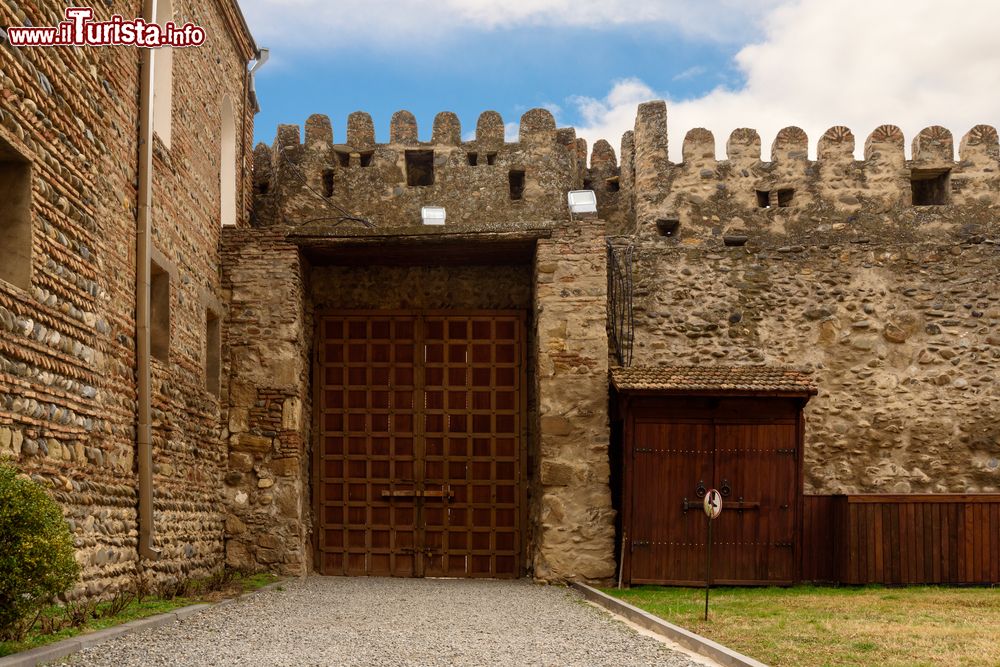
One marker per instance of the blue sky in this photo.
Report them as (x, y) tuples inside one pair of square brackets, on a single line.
[(509, 70), (720, 64)]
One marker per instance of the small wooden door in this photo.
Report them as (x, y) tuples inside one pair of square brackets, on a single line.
[(419, 457), (668, 461), (755, 469), (748, 449)]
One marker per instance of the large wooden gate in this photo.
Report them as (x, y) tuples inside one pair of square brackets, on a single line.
[(419, 466), (675, 448)]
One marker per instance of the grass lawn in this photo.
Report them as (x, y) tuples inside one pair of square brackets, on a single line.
[(150, 606), (817, 626)]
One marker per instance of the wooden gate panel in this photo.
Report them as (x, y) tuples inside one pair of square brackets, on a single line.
[(748, 448), (366, 415), (419, 465), (669, 459), (472, 428), (755, 539)]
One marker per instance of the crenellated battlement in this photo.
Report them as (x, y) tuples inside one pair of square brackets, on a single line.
[(885, 142), (791, 194), (483, 180), (487, 180)]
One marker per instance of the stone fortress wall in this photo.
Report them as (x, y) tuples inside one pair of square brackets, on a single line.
[(388, 183), (878, 275), (306, 190)]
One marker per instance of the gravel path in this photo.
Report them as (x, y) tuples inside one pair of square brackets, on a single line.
[(365, 621)]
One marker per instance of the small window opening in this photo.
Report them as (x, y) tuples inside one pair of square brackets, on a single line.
[(15, 217), (491, 158), (344, 159), (763, 199), (473, 159), (516, 180), (785, 197), (227, 166), (213, 352), (613, 184), (588, 184), (261, 188), (328, 183), (929, 186), (159, 313), (366, 158), (668, 226), (163, 79), (419, 168)]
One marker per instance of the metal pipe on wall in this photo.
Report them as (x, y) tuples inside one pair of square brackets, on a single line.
[(143, 241)]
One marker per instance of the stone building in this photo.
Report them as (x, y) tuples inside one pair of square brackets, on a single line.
[(74, 160), (874, 278), (336, 386)]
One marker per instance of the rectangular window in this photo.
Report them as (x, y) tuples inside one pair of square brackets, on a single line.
[(763, 198), (15, 217), (213, 352), (785, 197), (159, 313), (516, 180), (328, 183), (473, 159), (419, 168), (930, 186)]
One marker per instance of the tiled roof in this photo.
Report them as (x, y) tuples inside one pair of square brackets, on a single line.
[(713, 379)]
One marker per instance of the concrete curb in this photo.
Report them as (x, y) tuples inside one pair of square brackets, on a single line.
[(686, 638), (66, 647)]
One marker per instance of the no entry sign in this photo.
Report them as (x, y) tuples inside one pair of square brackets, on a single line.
[(713, 504)]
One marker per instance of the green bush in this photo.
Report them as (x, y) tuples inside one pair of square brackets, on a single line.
[(36, 552)]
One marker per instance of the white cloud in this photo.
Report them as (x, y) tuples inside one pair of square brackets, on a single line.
[(691, 73), (321, 24), (859, 63)]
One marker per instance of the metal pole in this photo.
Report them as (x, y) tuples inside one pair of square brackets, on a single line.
[(708, 575)]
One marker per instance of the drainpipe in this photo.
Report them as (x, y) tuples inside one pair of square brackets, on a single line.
[(143, 233), (249, 93), (262, 56)]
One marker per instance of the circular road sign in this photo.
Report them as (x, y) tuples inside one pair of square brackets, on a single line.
[(713, 504)]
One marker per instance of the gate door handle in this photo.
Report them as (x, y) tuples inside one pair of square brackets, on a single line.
[(742, 505), (443, 492)]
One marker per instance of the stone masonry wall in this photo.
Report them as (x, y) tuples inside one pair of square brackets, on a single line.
[(267, 366), (421, 287), (314, 182), (67, 350), (572, 517), (189, 455), (891, 305)]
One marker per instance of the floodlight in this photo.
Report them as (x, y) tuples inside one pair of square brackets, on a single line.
[(582, 201), (432, 215)]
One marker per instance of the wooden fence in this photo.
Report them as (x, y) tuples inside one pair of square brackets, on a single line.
[(902, 539)]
